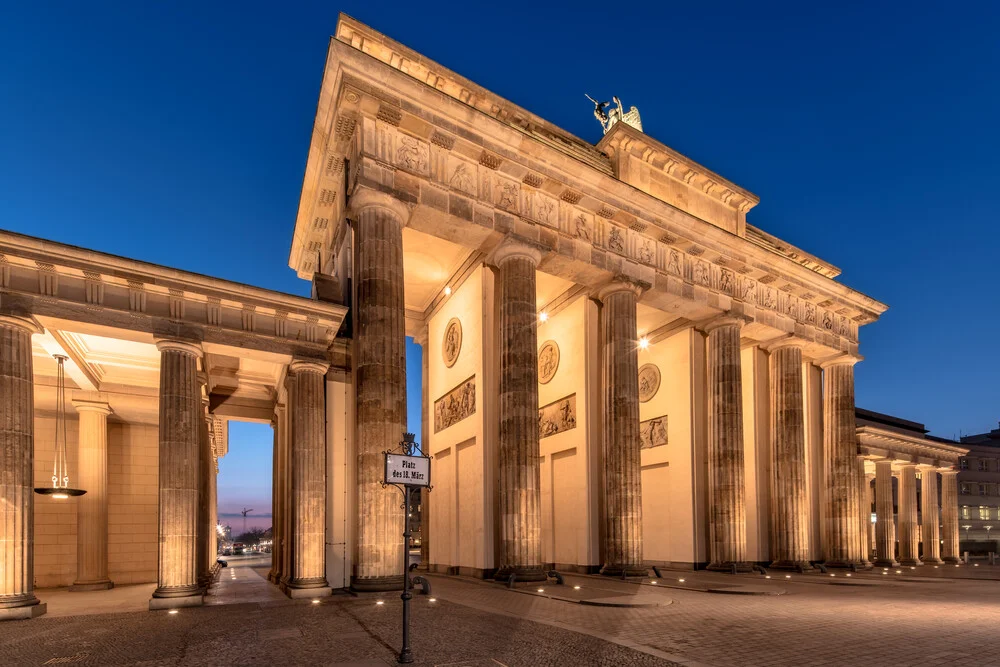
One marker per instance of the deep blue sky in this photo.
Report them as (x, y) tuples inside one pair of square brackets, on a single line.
[(177, 134)]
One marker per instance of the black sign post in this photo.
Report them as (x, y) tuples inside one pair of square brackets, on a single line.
[(406, 471)]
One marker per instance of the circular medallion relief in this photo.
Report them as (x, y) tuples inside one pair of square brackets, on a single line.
[(649, 382), (548, 361), (452, 343)]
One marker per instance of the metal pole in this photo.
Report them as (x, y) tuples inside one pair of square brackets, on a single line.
[(405, 656)]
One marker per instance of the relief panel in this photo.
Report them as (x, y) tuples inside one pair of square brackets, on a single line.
[(557, 416), (653, 432), (456, 405)]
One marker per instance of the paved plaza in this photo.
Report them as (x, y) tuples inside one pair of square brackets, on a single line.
[(923, 616)]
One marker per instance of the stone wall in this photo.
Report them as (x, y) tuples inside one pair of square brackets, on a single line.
[(132, 505)]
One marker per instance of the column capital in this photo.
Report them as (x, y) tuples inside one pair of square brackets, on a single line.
[(365, 198), (951, 472), (308, 366), (724, 320), (622, 283), (90, 405), (782, 342), (838, 360), (12, 322), (176, 345), (516, 247)]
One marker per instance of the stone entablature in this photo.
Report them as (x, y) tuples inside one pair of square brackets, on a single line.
[(472, 181), (879, 443), (44, 278)]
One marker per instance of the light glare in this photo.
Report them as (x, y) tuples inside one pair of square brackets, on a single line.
[(544, 317)]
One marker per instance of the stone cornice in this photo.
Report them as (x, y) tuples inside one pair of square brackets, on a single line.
[(625, 138), (885, 443), (50, 279)]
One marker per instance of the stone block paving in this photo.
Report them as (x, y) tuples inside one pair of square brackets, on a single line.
[(873, 622), (340, 631)]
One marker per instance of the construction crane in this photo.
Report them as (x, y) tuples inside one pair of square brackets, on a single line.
[(245, 512)]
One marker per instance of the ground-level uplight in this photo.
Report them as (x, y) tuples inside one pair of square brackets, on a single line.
[(172, 611), (432, 599), (788, 576), (380, 602), (315, 601), (541, 590), (576, 588)]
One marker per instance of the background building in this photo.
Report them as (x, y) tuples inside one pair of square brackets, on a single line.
[(979, 491)]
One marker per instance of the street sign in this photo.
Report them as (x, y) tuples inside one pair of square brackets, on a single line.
[(407, 470)]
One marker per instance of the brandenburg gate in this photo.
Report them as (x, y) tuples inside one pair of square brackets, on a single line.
[(619, 370)]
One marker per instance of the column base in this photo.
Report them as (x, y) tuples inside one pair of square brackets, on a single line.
[(847, 564), (80, 586), (196, 600), (377, 584), (797, 565), (618, 570), (933, 561), (886, 563), (730, 567), (525, 574), (910, 562), (952, 560), (309, 593), (22, 613)]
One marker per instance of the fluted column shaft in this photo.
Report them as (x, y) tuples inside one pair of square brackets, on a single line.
[(622, 446), (930, 517), (789, 530), (308, 478), (864, 513), (519, 471), (286, 511), (92, 507), (16, 468), (949, 516), (909, 529), (277, 496), (204, 501), (885, 528), (180, 454), (840, 453), (727, 501), (380, 346)]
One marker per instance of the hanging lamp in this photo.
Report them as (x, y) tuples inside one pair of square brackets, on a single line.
[(60, 489)]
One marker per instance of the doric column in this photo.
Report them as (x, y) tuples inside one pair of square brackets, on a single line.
[(930, 516), (204, 467), (286, 511), (17, 502), (885, 528), (308, 577), (727, 501), (380, 373), (519, 477), (949, 516), (870, 504), (277, 494), (789, 532), (840, 453), (425, 441), (622, 447), (180, 449), (909, 529), (864, 513), (92, 507)]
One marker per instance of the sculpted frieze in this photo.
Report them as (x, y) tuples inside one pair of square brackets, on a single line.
[(674, 263), (700, 273), (456, 405), (653, 432), (540, 207), (451, 346), (727, 282), (557, 417), (412, 154), (582, 226), (616, 239), (506, 194), (645, 250), (649, 382), (462, 175)]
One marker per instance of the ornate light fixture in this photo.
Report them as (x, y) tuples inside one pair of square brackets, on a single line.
[(60, 489)]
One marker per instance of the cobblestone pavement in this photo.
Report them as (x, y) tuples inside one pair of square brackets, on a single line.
[(870, 619), (339, 632)]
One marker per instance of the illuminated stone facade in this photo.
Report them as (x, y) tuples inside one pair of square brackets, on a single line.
[(619, 371)]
